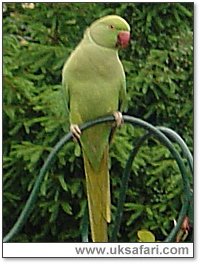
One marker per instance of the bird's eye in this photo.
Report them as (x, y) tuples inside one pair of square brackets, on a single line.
[(111, 26)]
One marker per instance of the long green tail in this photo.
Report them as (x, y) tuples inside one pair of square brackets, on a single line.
[(98, 193)]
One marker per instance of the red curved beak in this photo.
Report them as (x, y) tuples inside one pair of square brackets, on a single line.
[(123, 39)]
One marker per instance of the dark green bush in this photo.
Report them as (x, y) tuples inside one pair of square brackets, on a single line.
[(37, 39)]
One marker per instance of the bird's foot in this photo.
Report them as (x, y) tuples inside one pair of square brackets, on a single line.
[(76, 132), (118, 118)]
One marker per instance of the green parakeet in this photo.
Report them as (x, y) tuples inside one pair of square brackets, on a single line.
[(94, 85)]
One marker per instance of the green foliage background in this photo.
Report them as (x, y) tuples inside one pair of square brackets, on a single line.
[(37, 39)]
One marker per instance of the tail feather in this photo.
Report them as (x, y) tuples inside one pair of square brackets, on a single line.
[(98, 193)]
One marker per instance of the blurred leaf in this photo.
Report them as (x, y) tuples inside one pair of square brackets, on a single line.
[(145, 236)]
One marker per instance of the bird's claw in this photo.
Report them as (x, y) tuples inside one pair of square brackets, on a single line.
[(76, 132), (118, 118)]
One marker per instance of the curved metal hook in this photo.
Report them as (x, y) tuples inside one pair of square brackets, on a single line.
[(134, 121)]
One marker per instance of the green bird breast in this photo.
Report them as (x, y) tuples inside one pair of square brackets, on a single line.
[(95, 84)]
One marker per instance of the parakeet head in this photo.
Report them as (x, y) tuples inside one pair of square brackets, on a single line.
[(111, 32)]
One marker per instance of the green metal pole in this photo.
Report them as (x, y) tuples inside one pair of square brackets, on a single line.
[(124, 184), (134, 121), (176, 138)]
